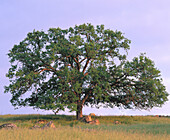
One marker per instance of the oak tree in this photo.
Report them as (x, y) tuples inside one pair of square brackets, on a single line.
[(81, 66)]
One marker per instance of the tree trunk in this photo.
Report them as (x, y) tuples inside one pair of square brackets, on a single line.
[(79, 111)]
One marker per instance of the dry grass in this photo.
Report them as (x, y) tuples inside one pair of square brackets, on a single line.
[(72, 133)]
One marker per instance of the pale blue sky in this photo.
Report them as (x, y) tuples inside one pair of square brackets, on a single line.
[(145, 22)]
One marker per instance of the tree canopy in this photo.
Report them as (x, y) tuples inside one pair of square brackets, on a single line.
[(81, 66)]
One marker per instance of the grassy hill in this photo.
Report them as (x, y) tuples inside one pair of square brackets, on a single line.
[(67, 127)]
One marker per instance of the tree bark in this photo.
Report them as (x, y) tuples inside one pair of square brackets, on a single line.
[(79, 111)]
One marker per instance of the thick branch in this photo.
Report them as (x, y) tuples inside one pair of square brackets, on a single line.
[(48, 65), (85, 75), (83, 59), (85, 98), (87, 62), (70, 62), (76, 60), (78, 65), (42, 71)]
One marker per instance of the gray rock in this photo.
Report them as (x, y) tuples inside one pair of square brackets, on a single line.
[(35, 126), (49, 125), (8, 126), (95, 122), (88, 119), (117, 122), (42, 121), (92, 114)]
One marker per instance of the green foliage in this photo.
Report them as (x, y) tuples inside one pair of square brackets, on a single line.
[(81, 66)]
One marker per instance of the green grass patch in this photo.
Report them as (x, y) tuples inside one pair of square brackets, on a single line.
[(139, 128)]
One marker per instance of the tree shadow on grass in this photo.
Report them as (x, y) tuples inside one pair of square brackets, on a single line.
[(36, 117)]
